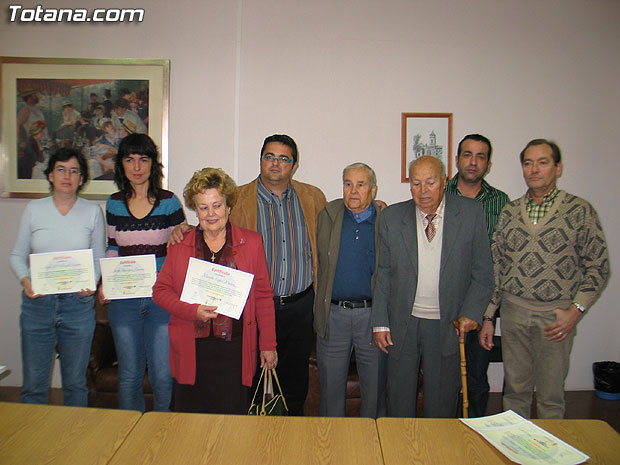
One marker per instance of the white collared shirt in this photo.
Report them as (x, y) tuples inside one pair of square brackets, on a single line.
[(422, 222)]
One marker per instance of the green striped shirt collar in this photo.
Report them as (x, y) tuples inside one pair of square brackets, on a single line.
[(493, 200)]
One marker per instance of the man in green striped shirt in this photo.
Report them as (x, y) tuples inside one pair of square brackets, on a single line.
[(473, 160)]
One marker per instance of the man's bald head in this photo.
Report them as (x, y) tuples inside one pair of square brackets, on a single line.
[(428, 181)]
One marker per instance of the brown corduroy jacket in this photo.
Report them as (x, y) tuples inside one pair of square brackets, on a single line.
[(245, 213)]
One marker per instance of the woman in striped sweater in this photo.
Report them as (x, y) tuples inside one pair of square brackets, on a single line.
[(140, 218)]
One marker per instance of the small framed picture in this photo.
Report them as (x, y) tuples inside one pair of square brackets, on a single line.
[(85, 104), (426, 134)]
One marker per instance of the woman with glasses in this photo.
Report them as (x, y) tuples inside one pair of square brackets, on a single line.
[(61, 222), (140, 217)]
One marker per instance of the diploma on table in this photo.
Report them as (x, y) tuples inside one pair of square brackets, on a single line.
[(211, 284), (524, 442), (128, 277), (62, 272)]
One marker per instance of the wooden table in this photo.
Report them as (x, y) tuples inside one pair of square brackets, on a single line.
[(188, 439), (448, 441), (46, 434)]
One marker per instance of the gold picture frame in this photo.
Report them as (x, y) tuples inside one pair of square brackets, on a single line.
[(63, 87)]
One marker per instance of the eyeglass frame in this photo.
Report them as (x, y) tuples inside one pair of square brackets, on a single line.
[(281, 159), (72, 171)]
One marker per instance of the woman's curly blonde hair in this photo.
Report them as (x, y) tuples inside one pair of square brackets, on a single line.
[(210, 178)]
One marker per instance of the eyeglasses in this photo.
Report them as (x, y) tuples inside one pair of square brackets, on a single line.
[(62, 170), (282, 159)]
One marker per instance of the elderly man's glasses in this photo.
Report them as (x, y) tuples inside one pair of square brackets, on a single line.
[(281, 159)]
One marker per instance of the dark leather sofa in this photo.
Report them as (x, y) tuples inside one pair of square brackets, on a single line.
[(102, 376)]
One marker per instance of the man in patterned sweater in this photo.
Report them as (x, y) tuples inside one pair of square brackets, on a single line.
[(551, 264)]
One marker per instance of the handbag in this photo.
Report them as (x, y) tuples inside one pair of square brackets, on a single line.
[(276, 406)]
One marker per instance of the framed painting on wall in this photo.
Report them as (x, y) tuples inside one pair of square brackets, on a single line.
[(85, 104), (426, 134)]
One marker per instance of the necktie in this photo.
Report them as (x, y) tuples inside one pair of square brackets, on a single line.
[(430, 228)]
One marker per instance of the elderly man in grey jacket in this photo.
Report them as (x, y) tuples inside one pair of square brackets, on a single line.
[(347, 251), (434, 267)]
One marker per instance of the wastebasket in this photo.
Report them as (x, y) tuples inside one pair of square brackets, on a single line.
[(607, 380)]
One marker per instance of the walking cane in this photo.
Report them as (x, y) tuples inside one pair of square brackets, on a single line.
[(463, 369)]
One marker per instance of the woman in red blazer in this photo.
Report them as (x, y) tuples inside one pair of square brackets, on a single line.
[(213, 358)]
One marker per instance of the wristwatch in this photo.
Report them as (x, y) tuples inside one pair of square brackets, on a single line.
[(580, 307), (488, 318)]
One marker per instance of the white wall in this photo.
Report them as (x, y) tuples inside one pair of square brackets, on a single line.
[(336, 76)]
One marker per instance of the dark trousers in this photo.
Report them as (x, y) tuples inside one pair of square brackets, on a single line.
[(294, 335), (477, 380), (441, 374)]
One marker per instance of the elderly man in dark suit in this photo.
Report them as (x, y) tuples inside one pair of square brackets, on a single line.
[(434, 267)]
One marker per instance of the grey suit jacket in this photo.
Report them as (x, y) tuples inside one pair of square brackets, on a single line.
[(466, 269), (329, 229)]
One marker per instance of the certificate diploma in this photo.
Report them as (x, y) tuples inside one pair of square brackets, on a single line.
[(524, 442), (128, 277), (211, 284), (62, 272)]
